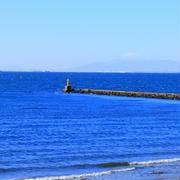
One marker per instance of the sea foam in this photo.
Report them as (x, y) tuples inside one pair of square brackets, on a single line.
[(80, 176), (155, 161)]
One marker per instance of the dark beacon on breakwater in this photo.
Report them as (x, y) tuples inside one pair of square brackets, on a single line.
[(68, 89)]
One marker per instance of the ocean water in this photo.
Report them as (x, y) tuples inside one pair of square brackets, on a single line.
[(47, 134)]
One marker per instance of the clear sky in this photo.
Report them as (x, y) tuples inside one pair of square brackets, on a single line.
[(59, 34)]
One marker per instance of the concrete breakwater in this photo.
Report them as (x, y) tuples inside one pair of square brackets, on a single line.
[(68, 89)]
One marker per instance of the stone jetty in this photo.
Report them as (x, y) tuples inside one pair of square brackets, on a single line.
[(68, 89)]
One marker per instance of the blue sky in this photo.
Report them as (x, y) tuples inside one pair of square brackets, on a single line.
[(58, 34)]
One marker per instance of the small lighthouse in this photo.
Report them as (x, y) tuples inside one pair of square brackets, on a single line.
[(67, 88)]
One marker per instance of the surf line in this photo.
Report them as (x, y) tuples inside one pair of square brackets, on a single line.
[(80, 176), (68, 89)]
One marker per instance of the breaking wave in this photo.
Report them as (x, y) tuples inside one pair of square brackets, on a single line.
[(80, 176), (155, 161), (101, 173), (115, 164)]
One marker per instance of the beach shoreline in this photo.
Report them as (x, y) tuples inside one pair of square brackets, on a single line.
[(147, 170)]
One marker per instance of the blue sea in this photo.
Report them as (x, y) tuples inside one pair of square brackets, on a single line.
[(46, 134)]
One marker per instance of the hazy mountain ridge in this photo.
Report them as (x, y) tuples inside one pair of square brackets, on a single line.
[(131, 66)]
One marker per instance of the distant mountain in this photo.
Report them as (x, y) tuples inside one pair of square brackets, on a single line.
[(131, 66)]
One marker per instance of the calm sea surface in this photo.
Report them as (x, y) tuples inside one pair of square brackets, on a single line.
[(45, 133)]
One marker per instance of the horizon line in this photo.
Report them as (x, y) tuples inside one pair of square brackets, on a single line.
[(121, 72)]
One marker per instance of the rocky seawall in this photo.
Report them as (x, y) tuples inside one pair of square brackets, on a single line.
[(68, 89), (128, 93)]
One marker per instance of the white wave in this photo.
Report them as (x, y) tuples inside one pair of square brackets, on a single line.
[(79, 176), (101, 173), (155, 161)]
